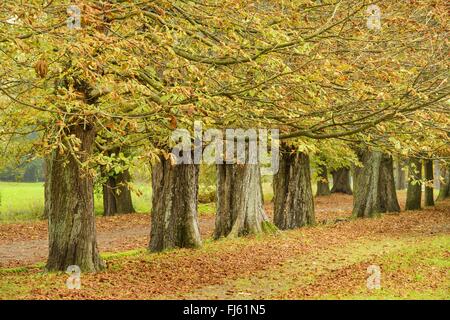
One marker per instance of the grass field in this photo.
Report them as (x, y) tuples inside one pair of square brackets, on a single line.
[(21, 201), (25, 201)]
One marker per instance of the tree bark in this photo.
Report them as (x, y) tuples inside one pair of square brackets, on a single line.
[(341, 181), (444, 186), (400, 176), (71, 220), (109, 201), (174, 206), (47, 184), (375, 186), (429, 176), (240, 209), (436, 174), (117, 195), (414, 192), (323, 185), (293, 200)]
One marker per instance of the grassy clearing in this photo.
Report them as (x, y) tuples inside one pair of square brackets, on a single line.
[(25, 201), (420, 269), (21, 201)]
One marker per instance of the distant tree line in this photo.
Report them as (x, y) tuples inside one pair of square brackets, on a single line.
[(29, 171)]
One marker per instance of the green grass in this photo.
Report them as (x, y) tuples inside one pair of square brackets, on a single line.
[(25, 201), (21, 201), (418, 264), (417, 259)]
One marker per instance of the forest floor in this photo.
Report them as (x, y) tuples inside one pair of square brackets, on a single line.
[(328, 260)]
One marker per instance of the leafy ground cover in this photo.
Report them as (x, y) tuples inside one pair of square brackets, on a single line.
[(327, 261)]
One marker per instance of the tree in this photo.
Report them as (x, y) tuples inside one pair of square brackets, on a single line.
[(116, 181), (174, 205), (72, 235), (444, 188), (240, 209), (117, 195), (414, 192), (341, 181), (323, 187), (399, 175), (374, 185), (429, 177), (293, 199)]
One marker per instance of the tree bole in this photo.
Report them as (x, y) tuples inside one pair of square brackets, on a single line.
[(341, 181), (414, 191), (116, 195), (71, 219), (293, 199), (400, 176), (375, 187), (240, 209), (429, 176), (174, 206), (323, 185), (444, 184)]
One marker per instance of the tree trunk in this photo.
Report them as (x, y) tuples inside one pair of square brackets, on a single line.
[(240, 208), (375, 186), (117, 195), (109, 201), (400, 176), (293, 200), (429, 176), (323, 186), (414, 192), (261, 186), (71, 220), (444, 187), (436, 174), (341, 181), (174, 206), (47, 184)]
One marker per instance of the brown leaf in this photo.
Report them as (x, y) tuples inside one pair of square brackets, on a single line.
[(41, 68), (173, 122)]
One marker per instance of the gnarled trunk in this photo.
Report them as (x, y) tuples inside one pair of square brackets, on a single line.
[(341, 181), (429, 176), (240, 208), (414, 192), (174, 206), (399, 175), (117, 195), (71, 220), (293, 200), (323, 186), (444, 185), (375, 187)]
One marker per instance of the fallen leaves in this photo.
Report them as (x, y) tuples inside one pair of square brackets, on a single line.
[(176, 273)]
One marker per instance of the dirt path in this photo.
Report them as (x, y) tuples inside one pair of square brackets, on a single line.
[(112, 237)]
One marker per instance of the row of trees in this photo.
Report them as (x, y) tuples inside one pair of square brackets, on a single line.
[(112, 90)]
